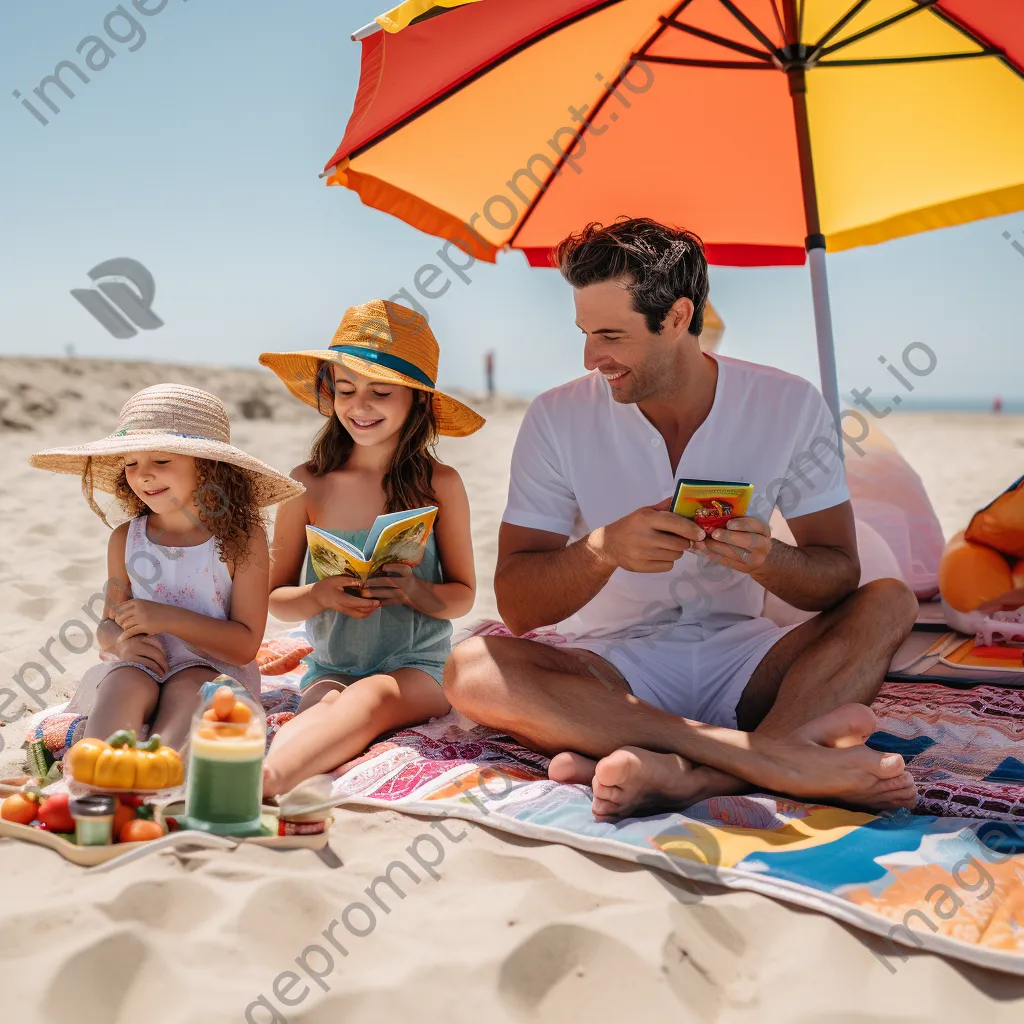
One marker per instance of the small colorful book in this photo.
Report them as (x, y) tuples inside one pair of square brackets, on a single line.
[(394, 537), (711, 503)]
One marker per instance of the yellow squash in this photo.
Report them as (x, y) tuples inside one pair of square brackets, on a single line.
[(119, 763), (81, 759)]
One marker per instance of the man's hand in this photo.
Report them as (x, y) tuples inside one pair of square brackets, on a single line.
[(742, 544), (331, 594), (650, 539), (141, 618), (147, 650)]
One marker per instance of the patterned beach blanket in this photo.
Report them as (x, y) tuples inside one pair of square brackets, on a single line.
[(949, 885), (949, 878)]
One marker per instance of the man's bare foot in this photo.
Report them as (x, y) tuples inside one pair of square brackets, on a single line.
[(569, 767), (631, 782), (850, 728), (826, 760)]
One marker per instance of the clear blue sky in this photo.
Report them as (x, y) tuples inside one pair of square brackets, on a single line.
[(198, 155)]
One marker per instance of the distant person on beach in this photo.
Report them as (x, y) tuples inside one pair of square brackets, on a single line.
[(378, 652), (662, 683), (489, 373)]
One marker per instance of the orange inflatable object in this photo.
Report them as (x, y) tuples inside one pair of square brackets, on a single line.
[(971, 574), (1001, 524)]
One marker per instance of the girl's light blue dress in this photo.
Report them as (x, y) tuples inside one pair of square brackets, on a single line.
[(393, 637)]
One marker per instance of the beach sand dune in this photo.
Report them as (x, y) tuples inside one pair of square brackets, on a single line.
[(511, 930)]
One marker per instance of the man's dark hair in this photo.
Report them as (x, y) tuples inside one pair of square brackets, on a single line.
[(663, 264)]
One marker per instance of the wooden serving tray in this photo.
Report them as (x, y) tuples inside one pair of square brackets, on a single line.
[(91, 856)]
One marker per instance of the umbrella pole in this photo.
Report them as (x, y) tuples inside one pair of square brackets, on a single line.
[(796, 53), (823, 329)]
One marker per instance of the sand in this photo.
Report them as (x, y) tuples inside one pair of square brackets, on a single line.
[(513, 930)]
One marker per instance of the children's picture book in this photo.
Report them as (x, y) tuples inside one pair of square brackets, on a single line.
[(394, 537), (711, 503)]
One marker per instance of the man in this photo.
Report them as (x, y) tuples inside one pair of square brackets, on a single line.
[(669, 662)]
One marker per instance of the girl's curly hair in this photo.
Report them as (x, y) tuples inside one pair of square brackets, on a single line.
[(226, 499)]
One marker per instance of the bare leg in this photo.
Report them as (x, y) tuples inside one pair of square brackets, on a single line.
[(850, 646), (316, 693), (311, 696), (550, 698), (179, 697), (344, 722), (125, 700)]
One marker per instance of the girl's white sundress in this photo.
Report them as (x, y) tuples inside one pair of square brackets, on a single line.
[(186, 577)]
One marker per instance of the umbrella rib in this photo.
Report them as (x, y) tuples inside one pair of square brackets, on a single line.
[(974, 38), (750, 27), (451, 90), (921, 5), (694, 62), (837, 27), (711, 37), (918, 59), (778, 19), (589, 120)]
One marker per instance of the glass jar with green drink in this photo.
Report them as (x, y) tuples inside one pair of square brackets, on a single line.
[(227, 742)]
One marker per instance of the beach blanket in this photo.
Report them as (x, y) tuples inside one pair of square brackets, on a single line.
[(949, 878), (949, 885)]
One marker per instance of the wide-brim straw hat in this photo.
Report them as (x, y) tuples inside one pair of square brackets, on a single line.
[(384, 342), (166, 418)]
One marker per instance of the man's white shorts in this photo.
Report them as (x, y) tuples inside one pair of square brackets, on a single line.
[(688, 670)]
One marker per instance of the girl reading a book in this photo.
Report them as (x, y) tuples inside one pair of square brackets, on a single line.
[(379, 646), (186, 594)]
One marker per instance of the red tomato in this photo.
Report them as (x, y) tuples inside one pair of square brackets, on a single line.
[(54, 814), (122, 816)]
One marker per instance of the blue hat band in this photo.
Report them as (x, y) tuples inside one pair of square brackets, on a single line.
[(386, 359)]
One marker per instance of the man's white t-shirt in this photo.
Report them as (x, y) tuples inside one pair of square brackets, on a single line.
[(583, 460)]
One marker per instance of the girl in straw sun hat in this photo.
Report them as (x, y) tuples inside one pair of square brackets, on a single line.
[(186, 594), (380, 647)]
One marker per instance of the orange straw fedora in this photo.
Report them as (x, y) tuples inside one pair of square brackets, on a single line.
[(385, 342)]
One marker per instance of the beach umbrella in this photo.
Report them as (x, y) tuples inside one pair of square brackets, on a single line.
[(775, 129)]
